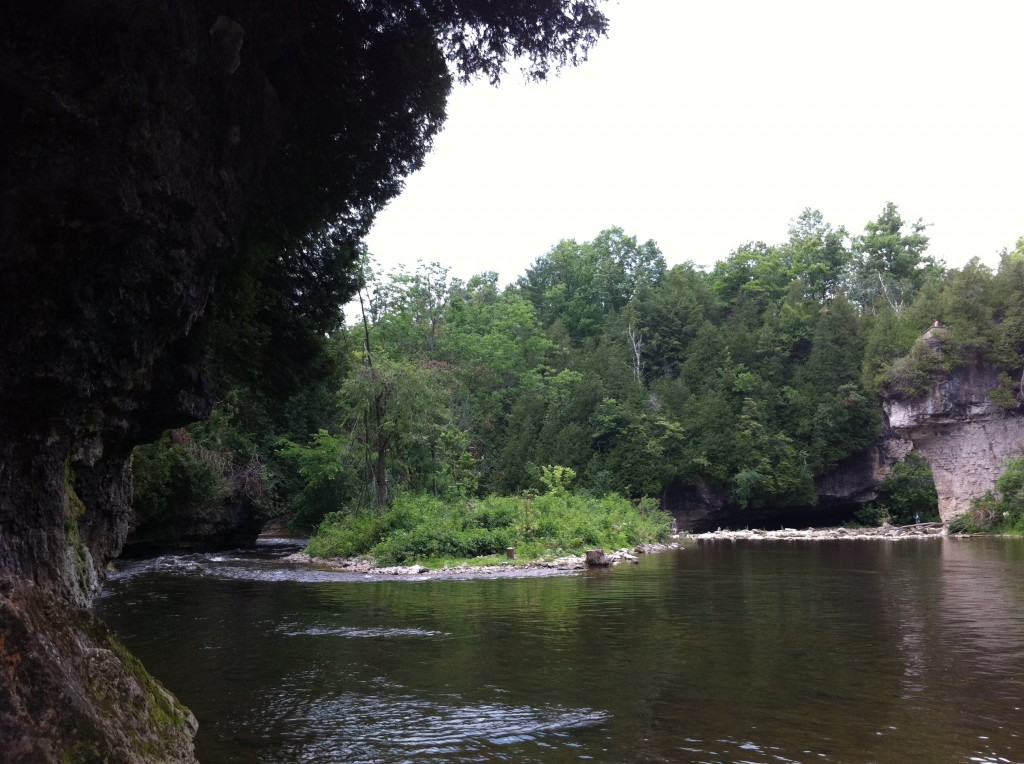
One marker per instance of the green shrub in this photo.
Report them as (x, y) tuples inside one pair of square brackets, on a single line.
[(1004, 395), (175, 478), (497, 512), (871, 516), (420, 528), (979, 519), (341, 535), (914, 373), (557, 478), (908, 493)]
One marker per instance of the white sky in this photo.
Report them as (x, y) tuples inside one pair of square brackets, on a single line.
[(703, 124)]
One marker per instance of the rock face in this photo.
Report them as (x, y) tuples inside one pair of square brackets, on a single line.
[(112, 710), (853, 482), (119, 208), (965, 437), (695, 507), (123, 185)]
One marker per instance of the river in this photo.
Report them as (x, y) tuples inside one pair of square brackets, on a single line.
[(813, 651)]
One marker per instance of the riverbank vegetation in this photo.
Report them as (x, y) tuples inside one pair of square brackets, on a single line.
[(419, 528), (744, 381)]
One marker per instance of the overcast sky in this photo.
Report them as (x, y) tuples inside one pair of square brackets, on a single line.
[(704, 124)]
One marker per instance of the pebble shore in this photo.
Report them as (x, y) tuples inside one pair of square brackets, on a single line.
[(824, 534), (519, 568), (576, 563)]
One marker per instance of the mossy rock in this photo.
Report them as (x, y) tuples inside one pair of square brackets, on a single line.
[(70, 692)]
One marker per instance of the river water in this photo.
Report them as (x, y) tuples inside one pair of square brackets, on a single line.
[(813, 651)]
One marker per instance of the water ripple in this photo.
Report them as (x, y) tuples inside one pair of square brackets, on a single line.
[(354, 631), (409, 728), (240, 565), (775, 654)]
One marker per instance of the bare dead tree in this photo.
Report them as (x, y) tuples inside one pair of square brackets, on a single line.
[(636, 342)]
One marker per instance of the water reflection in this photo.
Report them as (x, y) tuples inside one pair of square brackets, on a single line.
[(762, 652)]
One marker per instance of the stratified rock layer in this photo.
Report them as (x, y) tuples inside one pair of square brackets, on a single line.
[(963, 435)]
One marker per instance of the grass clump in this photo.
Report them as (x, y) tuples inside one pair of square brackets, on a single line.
[(425, 529)]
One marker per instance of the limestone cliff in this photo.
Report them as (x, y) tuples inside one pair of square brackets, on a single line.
[(855, 479), (123, 185), (963, 435)]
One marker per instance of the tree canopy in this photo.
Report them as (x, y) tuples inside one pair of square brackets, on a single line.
[(364, 87), (755, 377)]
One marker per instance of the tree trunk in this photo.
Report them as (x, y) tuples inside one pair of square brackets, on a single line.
[(380, 476)]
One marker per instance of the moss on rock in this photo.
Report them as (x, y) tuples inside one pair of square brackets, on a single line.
[(70, 692)]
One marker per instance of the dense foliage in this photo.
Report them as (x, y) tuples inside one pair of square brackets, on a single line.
[(418, 528), (751, 378), (350, 97), (364, 86)]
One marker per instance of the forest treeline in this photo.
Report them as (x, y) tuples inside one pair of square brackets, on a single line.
[(752, 377)]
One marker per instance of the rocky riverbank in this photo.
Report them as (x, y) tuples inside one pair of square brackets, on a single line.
[(576, 563), (510, 569), (893, 532)]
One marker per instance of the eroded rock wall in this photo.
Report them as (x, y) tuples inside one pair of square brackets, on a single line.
[(120, 204), (964, 436), (855, 479), (966, 460), (124, 179)]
